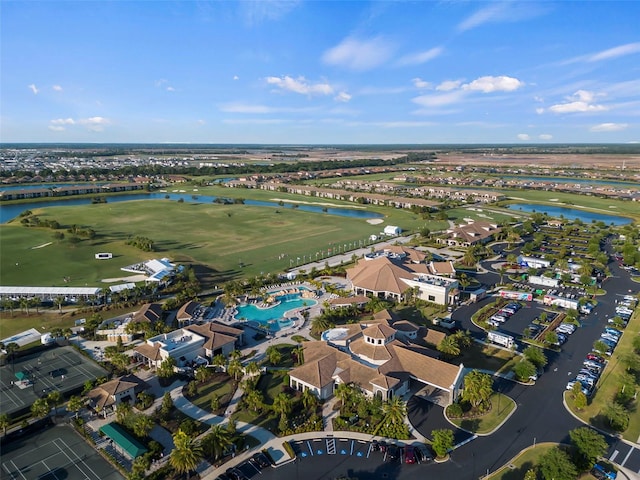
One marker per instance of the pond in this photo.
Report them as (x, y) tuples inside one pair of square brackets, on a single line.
[(9, 212), (570, 213)]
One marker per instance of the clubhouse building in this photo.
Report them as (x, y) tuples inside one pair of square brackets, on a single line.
[(380, 358)]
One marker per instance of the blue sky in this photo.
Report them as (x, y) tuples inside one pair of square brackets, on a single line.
[(313, 72)]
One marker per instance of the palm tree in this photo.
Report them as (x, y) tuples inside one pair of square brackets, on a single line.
[(143, 425), (219, 360), (40, 408), (75, 404), (282, 404), (469, 258), (394, 410), (186, 454), (343, 392), (502, 270), (252, 369), (4, 423), (235, 355), (254, 400), (235, 369), (202, 374), (309, 400), (273, 354), (216, 442), (54, 398), (449, 346)]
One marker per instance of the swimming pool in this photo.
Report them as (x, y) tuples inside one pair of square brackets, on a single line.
[(272, 318)]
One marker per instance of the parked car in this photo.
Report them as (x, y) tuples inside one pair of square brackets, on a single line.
[(595, 357), (409, 454), (610, 338), (613, 331), (261, 459), (393, 453)]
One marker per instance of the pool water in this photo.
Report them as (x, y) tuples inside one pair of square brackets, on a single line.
[(272, 318)]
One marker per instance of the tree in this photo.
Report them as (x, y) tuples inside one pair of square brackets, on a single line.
[(449, 346), (551, 337), (252, 369), (535, 355), (254, 400), (309, 400), (143, 425), (343, 392), (524, 369), (75, 404), (235, 369), (600, 347), (556, 465), (531, 474), (54, 398), (617, 416), (166, 368), (219, 360), (273, 354), (186, 454), (4, 422), (442, 441), (40, 408), (478, 387), (282, 404), (202, 374), (11, 348), (589, 445), (579, 399), (394, 410), (216, 441)]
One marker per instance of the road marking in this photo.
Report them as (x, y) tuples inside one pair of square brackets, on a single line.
[(614, 455), (627, 457), (352, 443), (310, 449)]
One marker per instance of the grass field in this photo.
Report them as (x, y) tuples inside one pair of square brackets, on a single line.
[(608, 385), (502, 406)]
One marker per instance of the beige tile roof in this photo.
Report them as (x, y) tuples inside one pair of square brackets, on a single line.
[(186, 311), (213, 334), (433, 337), (152, 352), (319, 366), (412, 254), (374, 352), (102, 395), (383, 315), (422, 367), (475, 232), (406, 326), (379, 330), (442, 268), (149, 312), (379, 275)]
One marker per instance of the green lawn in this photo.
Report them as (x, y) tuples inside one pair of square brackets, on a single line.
[(485, 357), (502, 406), (286, 360), (526, 460), (270, 384), (608, 385), (221, 385), (225, 241)]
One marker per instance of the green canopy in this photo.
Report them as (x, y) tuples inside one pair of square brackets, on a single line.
[(123, 439)]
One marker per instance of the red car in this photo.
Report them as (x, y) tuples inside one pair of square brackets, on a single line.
[(595, 358), (409, 454)]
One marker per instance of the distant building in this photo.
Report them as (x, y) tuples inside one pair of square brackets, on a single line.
[(471, 234), (105, 398)]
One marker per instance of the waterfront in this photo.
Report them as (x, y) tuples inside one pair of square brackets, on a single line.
[(570, 213)]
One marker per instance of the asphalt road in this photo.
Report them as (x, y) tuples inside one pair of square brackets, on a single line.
[(540, 415)]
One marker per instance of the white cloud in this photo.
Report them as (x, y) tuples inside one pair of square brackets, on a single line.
[(57, 88), (490, 84), (359, 55), (539, 110), (33, 88), (420, 57), (94, 124), (581, 101), (343, 97), (300, 85), (523, 136), (440, 99), (63, 121), (498, 12), (545, 136), (419, 83), (56, 128), (448, 85), (609, 127), (619, 51), (236, 77), (171, 89), (258, 11)]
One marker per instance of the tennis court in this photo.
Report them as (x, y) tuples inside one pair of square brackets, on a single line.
[(56, 453), (34, 376)]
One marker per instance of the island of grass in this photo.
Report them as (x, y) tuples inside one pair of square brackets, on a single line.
[(483, 422)]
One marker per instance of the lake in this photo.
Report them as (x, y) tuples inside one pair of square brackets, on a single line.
[(570, 213), (9, 212)]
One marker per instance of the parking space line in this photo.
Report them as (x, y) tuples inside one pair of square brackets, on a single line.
[(369, 450), (18, 470), (352, 444), (627, 457), (614, 455), (310, 449)]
